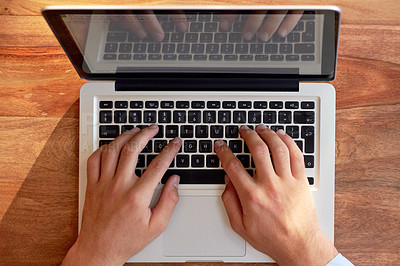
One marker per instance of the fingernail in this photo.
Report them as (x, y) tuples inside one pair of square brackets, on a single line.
[(219, 143), (224, 25), (248, 35), (153, 126), (175, 181), (281, 132), (244, 127), (283, 33), (158, 37), (141, 34), (183, 27), (264, 36), (135, 130), (261, 127), (176, 140)]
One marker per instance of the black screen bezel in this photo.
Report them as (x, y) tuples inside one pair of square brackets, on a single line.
[(60, 30)]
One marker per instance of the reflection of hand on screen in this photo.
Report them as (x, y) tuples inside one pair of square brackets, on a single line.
[(281, 22)]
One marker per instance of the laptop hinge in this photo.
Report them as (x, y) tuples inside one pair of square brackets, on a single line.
[(207, 84)]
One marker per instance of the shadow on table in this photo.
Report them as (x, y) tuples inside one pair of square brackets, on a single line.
[(42, 221)]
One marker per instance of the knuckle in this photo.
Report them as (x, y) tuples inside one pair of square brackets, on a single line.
[(257, 198), (298, 156), (281, 150), (260, 148), (129, 149), (158, 164)]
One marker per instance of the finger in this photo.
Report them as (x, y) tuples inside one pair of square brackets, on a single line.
[(162, 212), (226, 21), (279, 151), (157, 168), (110, 154), (233, 207), (179, 18), (252, 25), (152, 25), (93, 168), (296, 156), (289, 22), (130, 152), (259, 152), (272, 23), (242, 181)]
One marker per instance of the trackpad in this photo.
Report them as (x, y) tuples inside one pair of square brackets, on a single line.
[(200, 227)]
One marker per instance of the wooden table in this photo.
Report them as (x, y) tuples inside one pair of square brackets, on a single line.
[(39, 111)]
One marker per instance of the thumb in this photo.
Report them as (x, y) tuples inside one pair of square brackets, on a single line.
[(162, 212)]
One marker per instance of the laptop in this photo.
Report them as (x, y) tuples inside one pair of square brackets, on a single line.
[(200, 73)]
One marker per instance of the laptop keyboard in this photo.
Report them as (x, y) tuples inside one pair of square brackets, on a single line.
[(205, 42), (199, 124)]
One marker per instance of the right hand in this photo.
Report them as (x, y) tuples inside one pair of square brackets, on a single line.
[(274, 210)]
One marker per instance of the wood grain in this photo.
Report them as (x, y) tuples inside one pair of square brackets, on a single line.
[(39, 111)]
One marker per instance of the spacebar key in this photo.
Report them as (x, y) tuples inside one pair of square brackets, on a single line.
[(196, 176)]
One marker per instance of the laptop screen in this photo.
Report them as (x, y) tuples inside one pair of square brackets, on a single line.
[(123, 43)]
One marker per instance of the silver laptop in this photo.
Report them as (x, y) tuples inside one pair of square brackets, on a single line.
[(199, 74)]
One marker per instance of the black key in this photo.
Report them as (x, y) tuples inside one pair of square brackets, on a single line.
[(198, 104), (244, 159), (304, 117), (139, 57), (116, 37), (299, 26), (126, 128), (191, 37), (183, 48), (159, 145), (151, 104), (269, 117), (238, 26), (160, 133), (154, 57), (276, 105), (196, 27), (164, 116), (242, 48), (139, 48), (212, 161), (217, 131), (196, 176), (206, 37), (307, 105), (285, 48), (135, 117), (178, 37), (310, 180), (168, 26), (205, 146), (236, 146), (179, 116), (260, 105), (140, 161), (171, 131), (230, 57), (276, 38), (124, 57), (293, 131), (293, 37), (154, 48), (105, 116), (201, 131), (149, 116), (292, 57), (256, 48), (197, 160), (182, 104), (200, 57), (261, 57), (215, 57), (246, 57), (182, 161), (125, 48), (244, 105), (149, 159), (190, 145), (304, 48), (191, 16), (185, 57), (307, 57), (224, 117), (252, 163), (299, 144), (276, 128), (212, 48), (309, 161), (187, 131), (307, 133), (277, 57), (271, 48), (213, 104), (121, 104), (109, 131), (235, 37), (104, 141), (292, 105), (136, 104), (120, 117), (148, 148), (254, 117), (204, 17), (220, 37), (210, 27), (111, 47), (231, 132), (167, 104), (138, 172), (285, 117), (226, 48), (239, 117), (169, 57), (106, 104), (198, 48), (209, 117), (110, 56), (194, 116), (168, 48), (229, 105)]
